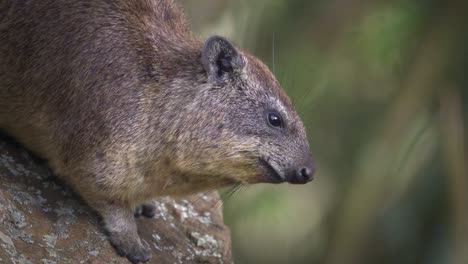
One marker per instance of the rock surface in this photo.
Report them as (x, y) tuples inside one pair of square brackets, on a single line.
[(41, 221)]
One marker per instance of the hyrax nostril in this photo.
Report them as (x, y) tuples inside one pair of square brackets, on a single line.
[(305, 174)]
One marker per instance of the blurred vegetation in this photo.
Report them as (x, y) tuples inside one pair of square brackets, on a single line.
[(381, 87)]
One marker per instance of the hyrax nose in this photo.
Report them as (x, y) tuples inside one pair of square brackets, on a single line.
[(303, 175)]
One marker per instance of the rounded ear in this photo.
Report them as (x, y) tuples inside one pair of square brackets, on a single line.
[(221, 60)]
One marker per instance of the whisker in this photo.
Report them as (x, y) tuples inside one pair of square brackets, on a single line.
[(227, 193), (166, 184), (273, 53), (203, 194), (200, 196), (233, 190)]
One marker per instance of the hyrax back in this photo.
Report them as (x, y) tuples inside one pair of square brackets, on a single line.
[(127, 105)]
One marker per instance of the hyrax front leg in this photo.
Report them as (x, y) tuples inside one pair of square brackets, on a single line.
[(120, 224)]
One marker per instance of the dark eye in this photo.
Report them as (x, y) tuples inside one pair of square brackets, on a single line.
[(275, 120)]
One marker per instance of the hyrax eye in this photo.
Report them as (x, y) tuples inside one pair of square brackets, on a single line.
[(274, 120)]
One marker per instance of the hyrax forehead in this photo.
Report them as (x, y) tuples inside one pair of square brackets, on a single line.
[(262, 81), (263, 85)]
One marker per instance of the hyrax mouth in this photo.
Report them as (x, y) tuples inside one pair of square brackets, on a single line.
[(301, 175), (271, 175)]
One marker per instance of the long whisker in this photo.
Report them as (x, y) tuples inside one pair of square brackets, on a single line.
[(167, 183), (200, 196), (273, 53), (205, 193), (229, 194)]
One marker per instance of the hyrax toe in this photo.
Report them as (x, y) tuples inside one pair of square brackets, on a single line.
[(135, 253), (148, 210)]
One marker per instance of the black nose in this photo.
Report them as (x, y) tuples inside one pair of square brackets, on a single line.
[(305, 173), (302, 175)]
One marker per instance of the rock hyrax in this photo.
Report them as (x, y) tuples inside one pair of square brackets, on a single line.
[(126, 104)]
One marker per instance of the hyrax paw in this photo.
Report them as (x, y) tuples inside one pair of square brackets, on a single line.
[(135, 253), (147, 210)]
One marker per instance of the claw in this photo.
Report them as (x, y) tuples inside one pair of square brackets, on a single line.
[(148, 210), (138, 211)]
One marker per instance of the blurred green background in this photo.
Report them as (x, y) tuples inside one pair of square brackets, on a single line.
[(381, 87)]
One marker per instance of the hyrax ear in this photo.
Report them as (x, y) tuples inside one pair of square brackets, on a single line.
[(221, 60)]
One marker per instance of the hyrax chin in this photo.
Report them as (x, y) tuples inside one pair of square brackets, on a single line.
[(127, 105)]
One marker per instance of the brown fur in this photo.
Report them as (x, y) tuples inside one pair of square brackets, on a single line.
[(115, 96)]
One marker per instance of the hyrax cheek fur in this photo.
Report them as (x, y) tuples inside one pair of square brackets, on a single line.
[(127, 105)]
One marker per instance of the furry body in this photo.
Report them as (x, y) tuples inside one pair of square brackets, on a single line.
[(126, 104)]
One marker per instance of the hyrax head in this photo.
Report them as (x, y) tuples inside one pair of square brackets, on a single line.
[(243, 127)]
